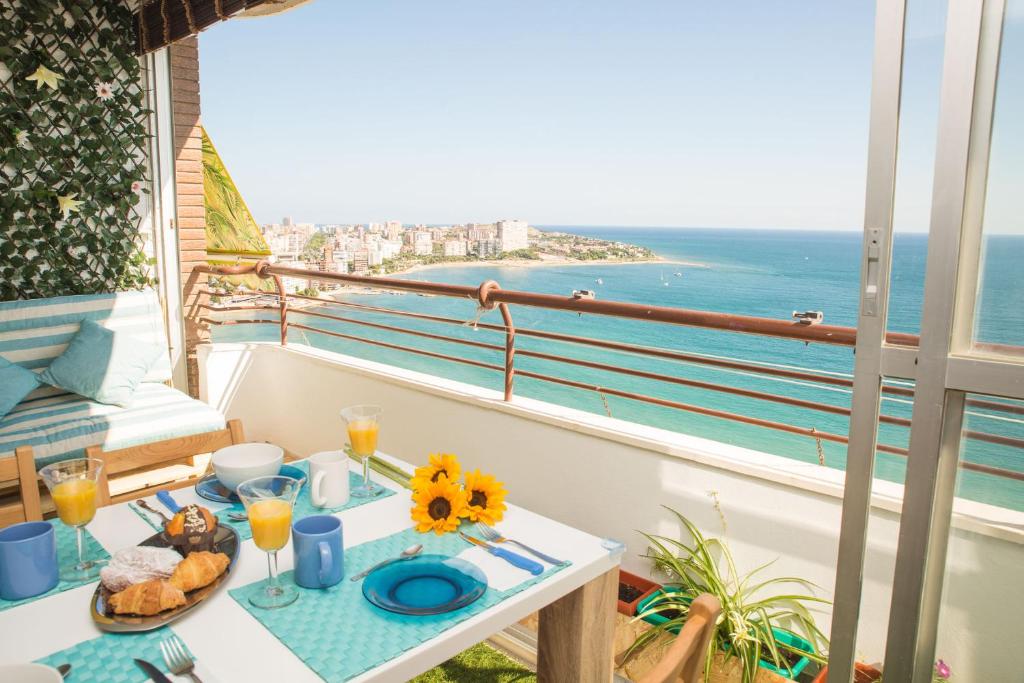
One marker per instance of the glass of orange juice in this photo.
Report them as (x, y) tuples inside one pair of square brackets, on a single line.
[(363, 424), (268, 502), (73, 486)]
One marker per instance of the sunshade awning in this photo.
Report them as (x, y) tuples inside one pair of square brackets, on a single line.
[(159, 23)]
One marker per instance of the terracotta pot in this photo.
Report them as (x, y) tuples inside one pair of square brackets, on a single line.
[(865, 673), (645, 586)]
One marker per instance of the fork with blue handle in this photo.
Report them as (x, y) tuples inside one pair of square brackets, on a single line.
[(512, 558), (494, 536)]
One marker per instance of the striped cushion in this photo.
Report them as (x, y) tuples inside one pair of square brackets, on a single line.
[(61, 427), (34, 332)]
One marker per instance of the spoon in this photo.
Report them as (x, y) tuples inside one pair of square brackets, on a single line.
[(407, 554), (64, 670), (238, 517), (149, 508)]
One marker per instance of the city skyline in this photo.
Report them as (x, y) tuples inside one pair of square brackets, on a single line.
[(751, 116)]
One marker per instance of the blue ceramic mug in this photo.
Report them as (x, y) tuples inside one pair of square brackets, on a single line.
[(319, 558), (28, 560)]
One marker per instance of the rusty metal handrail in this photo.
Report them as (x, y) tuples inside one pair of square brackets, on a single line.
[(747, 324), (489, 296)]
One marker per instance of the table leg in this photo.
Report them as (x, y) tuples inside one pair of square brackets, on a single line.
[(576, 634)]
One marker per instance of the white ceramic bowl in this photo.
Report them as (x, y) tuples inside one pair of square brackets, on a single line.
[(243, 461), (29, 673)]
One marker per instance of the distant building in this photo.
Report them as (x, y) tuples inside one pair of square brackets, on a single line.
[(513, 235), (488, 248), (393, 230), (286, 221), (477, 232), (455, 248), (361, 262), (423, 243)]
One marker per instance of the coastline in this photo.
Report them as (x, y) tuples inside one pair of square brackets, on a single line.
[(544, 263)]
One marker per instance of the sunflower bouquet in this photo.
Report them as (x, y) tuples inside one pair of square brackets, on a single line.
[(440, 502)]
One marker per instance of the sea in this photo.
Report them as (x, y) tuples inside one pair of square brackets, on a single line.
[(769, 273)]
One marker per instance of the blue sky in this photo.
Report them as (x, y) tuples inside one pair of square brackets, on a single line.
[(740, 114)]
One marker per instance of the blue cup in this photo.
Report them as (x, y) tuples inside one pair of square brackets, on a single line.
[(28, 560), (319, 558)]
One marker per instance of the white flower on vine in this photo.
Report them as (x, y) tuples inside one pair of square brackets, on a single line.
[(104, 90), (137, 187), (21, 139)]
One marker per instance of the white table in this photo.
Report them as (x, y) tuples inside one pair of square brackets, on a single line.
[(577, 604)]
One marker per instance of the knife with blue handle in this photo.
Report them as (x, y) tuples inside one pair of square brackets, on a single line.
[(512, 558), (169, 502)]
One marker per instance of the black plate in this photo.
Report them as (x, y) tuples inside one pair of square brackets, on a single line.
[(225, 541)]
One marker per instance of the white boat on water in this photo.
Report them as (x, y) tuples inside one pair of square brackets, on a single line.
[(809, 317), (583, 294), (599, 281)]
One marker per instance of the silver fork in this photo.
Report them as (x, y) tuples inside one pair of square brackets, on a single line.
[(177, 658), (494, 536)]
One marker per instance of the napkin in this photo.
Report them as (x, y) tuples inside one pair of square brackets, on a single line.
[(500, 574)]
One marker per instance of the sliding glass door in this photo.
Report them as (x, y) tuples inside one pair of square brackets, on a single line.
[(960, 532)]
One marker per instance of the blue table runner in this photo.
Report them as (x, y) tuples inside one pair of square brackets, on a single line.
[(109, 657), (303, 505), (339, 634)]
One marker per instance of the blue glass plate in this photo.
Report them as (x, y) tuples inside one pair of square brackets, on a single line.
[(427, 584), (210, 488)]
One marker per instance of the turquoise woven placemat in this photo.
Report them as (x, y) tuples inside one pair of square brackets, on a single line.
[(108, 658), (67, 551), (303, 506), (338, 634)]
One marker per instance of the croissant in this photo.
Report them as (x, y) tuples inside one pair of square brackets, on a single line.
[(199, 569), (147, 598)]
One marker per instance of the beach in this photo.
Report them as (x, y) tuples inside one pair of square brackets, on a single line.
[(546, 262)]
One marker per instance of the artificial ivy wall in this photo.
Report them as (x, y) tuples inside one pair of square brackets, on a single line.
[(73, 138)]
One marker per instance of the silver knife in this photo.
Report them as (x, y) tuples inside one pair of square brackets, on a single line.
[(154, 673)]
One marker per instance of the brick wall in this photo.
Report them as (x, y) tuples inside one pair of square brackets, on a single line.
[(188, 170)]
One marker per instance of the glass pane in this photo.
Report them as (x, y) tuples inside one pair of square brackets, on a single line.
[(915, 163), (999, 318), (979, 622)]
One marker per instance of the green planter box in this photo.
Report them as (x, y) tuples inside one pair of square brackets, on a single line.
[(781, 635), (659, 618)]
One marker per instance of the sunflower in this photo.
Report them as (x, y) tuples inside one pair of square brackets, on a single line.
[(440, 465), (485, 498), (438, 505)]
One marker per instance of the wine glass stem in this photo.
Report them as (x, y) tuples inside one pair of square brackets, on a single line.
[(272, 569), (78, 539), (366, 471)]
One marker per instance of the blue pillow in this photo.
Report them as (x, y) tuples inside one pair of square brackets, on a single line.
[(15, 384), (103, 365)]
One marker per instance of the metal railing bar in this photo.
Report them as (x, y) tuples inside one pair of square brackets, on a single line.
[(826, 334), (391, 328), (668, 354), (711, 412), (397, 347)]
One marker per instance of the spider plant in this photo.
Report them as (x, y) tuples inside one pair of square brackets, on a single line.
[(748, 613)]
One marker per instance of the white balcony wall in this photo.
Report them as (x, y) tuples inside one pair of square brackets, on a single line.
[(611, 477)]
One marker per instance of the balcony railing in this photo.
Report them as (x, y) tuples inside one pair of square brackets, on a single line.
[(489, 296)]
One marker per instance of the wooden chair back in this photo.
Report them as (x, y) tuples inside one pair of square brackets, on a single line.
[(685, 659), (150, 455), (22, 470)]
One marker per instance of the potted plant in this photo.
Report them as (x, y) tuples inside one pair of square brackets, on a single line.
[(750, 627), (863, 673), (867, 673)]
